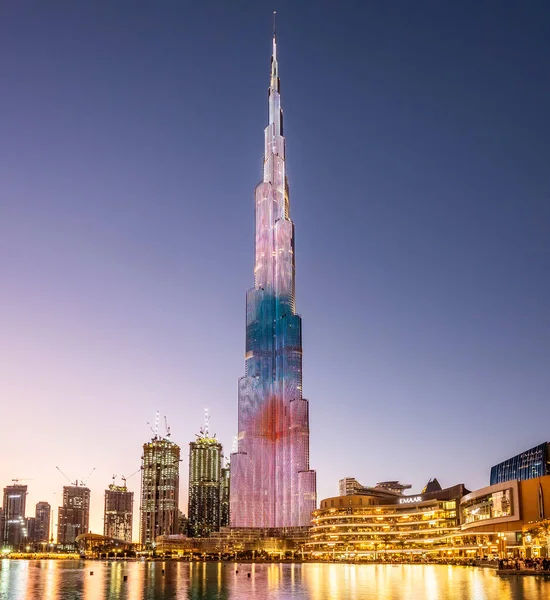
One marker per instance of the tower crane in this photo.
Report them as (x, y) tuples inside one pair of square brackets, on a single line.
[(76, 482), (156, 429), (125, 479)]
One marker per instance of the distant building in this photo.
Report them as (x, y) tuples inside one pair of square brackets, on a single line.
[(119, 513), (74, 516), (349, 486), (183, 524), (160, 480), (14, 532), (205, 465), (31, 528), (42, 524), (527, 465), (224, 496)]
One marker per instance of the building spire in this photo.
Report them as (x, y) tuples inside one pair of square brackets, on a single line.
[(274, 85)]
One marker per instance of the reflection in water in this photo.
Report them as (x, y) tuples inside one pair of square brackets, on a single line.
[(62, 580)]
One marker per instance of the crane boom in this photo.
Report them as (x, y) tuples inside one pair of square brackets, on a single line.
[(86, 480), (66, 477)]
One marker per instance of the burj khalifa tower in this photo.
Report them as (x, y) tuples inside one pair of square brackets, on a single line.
[(272, 485)]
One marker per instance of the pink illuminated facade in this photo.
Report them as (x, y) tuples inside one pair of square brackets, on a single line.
[(272, 485)]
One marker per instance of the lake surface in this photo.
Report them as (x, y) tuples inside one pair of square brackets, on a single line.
[(71, 580)]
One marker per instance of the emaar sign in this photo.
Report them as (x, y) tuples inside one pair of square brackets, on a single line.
[(410, 500)]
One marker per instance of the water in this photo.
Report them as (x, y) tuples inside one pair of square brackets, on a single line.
[(71, 580)]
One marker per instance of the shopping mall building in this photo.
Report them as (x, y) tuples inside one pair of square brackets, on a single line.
[(381, 523)]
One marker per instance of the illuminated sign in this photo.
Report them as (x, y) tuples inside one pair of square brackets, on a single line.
[(410, 500)]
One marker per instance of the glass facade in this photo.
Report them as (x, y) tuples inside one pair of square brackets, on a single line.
[(493, 505), (42, 526), (271, 482), (160, 482), (205, 476), (14, 525), (527, 465)]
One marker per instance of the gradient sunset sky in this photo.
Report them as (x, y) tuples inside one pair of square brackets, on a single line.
[(418, 146)]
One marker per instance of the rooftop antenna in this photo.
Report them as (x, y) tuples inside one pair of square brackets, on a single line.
[(235, 447), (274, 22), (206, 421)]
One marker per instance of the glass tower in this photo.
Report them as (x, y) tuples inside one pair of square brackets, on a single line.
[(14, 524), (271, 482), (42, 527), (205, 467), (160, 483)]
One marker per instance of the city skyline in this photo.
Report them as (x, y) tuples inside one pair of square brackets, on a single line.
[(420, 193)]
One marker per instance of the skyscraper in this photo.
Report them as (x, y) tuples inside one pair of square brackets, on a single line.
[(205, 464), (225, 486), (74, 516), (119, 512), (15, 526), (160, 481), (42, 524), (271, 482)]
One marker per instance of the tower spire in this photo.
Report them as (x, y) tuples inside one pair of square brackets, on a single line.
[(274, 84)]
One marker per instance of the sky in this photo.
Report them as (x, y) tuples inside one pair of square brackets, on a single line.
[(131, 140)]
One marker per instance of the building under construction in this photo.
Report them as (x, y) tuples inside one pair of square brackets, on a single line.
[(74, 516), (205, 476), (160, 480), (119, 512)]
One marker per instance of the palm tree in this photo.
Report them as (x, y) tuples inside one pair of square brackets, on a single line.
[(533, 532)]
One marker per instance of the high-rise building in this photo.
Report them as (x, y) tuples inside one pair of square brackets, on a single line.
[(119, 513), (224, 495), (42, 525), (31, 529), (160, 480), (527, 465), (271, 482), (15, 526), (205, 463), (74, 516)]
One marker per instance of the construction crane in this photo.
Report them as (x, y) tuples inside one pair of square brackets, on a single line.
[(18, 479), (167, 427), (156, 429), (76, 482), (206, 420), (125, 479)]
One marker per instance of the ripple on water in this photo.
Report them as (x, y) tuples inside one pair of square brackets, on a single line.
[(71, 580)]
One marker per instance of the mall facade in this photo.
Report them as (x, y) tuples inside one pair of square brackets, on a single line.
[(507, 519)]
